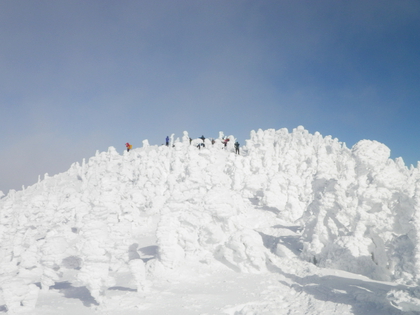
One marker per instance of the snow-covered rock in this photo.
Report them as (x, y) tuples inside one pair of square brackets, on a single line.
[(357, 209)]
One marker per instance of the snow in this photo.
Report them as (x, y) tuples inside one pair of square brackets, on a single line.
[(296, 224)]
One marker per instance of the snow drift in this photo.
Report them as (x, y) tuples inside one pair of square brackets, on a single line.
[(357, 209)]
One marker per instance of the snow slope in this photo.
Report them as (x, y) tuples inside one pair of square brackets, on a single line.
[(295, 224)]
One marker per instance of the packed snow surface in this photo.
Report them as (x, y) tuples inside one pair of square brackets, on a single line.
[(297, 223)]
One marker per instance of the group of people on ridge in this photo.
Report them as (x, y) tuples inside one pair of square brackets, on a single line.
[(225, 141)]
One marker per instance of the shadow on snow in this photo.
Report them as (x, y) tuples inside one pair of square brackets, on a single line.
[(80, 293), (365, 297)]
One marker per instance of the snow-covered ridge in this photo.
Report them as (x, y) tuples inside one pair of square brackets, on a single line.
[(155, 208)]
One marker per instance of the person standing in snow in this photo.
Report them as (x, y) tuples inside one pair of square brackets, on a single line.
[(202, 138), (225, 141), (167, 140), (128, 146), (237, 147)]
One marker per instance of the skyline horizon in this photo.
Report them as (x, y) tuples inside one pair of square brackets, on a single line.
[(80, 76)]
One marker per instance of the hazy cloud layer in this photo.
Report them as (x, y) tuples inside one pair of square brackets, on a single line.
[(79, 76)]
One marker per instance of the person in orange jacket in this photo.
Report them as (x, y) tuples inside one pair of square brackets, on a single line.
[(128, 146)]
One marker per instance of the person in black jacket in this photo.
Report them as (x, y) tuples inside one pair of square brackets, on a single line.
[(237, 147)]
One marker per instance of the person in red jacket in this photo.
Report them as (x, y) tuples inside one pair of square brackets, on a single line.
[(225, 141), (128, 146)]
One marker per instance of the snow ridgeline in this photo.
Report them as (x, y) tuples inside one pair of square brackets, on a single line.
[(357, 209)]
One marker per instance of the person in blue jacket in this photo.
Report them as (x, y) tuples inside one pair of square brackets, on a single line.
[(237, 147)]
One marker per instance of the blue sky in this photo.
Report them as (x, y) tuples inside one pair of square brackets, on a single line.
[(80, 76)]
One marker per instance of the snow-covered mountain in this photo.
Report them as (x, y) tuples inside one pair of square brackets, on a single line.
[(297, 223)]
